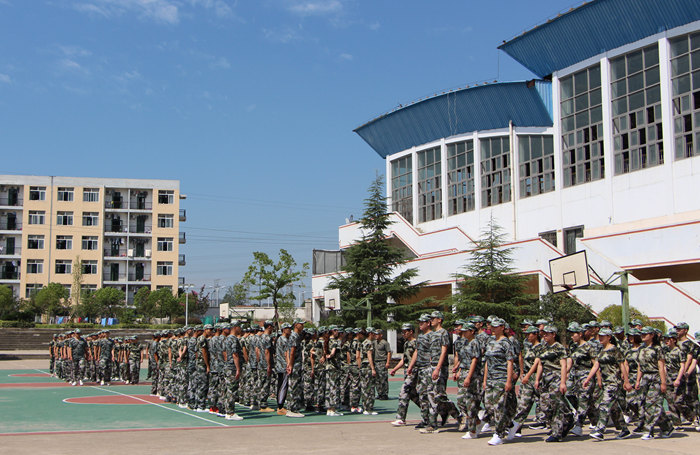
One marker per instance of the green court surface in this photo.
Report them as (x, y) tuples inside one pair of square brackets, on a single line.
[(34, 402)]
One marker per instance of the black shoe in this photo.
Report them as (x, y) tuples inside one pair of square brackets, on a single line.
[(638, 429), (421, 425), (624, 434), (552, 439)]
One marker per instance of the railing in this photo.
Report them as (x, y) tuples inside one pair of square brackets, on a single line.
[(182, 238), (181, 260), (136, 229), (181, 281), (12, 274), (109, 227), (115, 205), (140, 205), (12, 226), (141, 277), (120, 253), (108, 276), (4, 251), (11, 202), (183, 215)]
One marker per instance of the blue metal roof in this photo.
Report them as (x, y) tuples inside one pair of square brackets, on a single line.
[(594, 28), (483, 107)]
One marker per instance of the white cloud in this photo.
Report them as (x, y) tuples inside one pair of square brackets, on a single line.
[(314, 7), (70, 65), (345, 56), (282, 35), (220, 7), (220, 63), (4, 78), (251, 107), (374, 26), (164, 11), (74, 51)]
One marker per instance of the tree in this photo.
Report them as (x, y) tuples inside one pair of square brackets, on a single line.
[(8, 304), (76, 287), (197, 302), (110, 300), (237, 295), (144, 305), (274, 280), (370, 277), (52, 300), (88, 307), (490, 285), (561, 309), (165, 304), (613, 313)]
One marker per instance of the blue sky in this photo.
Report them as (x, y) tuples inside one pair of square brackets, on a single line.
[(250, 104)]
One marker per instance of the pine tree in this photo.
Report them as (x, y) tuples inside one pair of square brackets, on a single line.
[(369, 274)]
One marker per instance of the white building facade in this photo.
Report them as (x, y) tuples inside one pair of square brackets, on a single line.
[(600, 153)]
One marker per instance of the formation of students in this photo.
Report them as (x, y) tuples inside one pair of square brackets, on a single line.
[(593, 374)]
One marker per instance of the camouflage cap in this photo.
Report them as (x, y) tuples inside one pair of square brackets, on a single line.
[(459, 322), (647, 329), (298, 321), (605, 332), (526, 322), (682, 325), (585, 326), (550, 329), (356, 330), (208, 326), (235, 323), (606, 323), (369, 329), (437, 315), (671, 334), (634, 332), (268, 323), (468, 326), (497, 322), (618, 329), (476, 319), (636, 322), (286, 325), (349, 329), (573, 327), (594, 324), (532, 329), (77, 331), (541, 322), (424, 318), (657, 331), (696, 335), (407, 326)]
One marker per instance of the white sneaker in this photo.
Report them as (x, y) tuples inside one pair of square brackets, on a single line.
[(398, 423), (486, 428), (294, 414), (512, 431), (201, 410), (359, 409), (73, 383), (80, 382), (481, 414), (335, 414), (628, 419), (469, 435), (591, 427), (495, 440), (102, 383), (365, 413), (233, 417), (576, 430), (647, 436)]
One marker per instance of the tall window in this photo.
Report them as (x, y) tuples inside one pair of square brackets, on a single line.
[(685, 82), (165, 221), (36, 217), (582, 127), (402, 187), (165, 243), (35, 266), (570, 236), (495, 171), (35, 242), (164, 268), (37, 193), (63, 266), (536, 155), (91, 195), (64, 242), (31, 289), (89, 242), (65, 194), (636, 110), (460, 177), (429, 185), (64, 218), (90, 218), (166, 196), (89, 267)]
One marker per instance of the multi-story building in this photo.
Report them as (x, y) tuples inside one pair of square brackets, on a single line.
[(124, 233), (601, 152)]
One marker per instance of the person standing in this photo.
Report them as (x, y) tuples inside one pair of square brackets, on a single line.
[(470, 378), (77, 348), (281, 360), (382, 363), (408, 388), (295, 399), (675, 375), (333, 370), (368, 372), (200, 379), (231, 353), (440, 343), (651, 384), (425, 386), (265, 367), (528, 392), (498, 380)]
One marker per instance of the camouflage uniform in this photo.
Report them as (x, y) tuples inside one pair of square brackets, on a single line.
[(78, 348), (438, 340), (200, 379), (309, 378), (319, 382), (215, 371), (469, 398), (295, 400), (690, 395), (134, 362), (354, 374), (232, 348), (106, 346), (674, 359), (649, 390), (553, 404), (582, 357), (634, 399), (253, 371), (408, 390), (609, 404), (333, 370), (151, 359), (180, 370), (528, 393), (52, 355), (163, 366), (497, 355), (281, 348), (191, 369), (425, 386), (262, 389), (367, 381), (382, 349)]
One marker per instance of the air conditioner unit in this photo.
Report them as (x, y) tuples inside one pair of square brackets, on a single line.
[(130, 252), (148, 253)]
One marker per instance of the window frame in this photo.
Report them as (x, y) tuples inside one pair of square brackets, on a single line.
[(38, 238), (88, 240), (67, 242), (39, 217), (63, 267), (38, 191), (164, 219), (164, 268), (165, 241), (64, 218), (429, 183), (495, 171), (65, 194)]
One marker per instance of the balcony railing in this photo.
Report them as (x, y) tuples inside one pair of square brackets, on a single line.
[(9, 274), (182, 238), (109, 227), (117, 205), (139, 277), (120, 253), (181, 260), (135, 204), (12, 251), (10, 201), (108, 276), (10, 226), (183, 215), (136, 229), (181, 281)]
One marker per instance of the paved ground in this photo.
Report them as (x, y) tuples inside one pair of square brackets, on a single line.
[(58, 419)]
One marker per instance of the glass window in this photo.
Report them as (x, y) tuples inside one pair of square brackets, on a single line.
[(35, 242), (429, 185), (37, 193), (64, 218), (685, 84), (550, 236), (165, 221), (90, 218), (637, 132), (164, 268), (64, 242), (582, 127), (89, 242), (35, 266), (402, 187), (91, 195), (166, 196), (36, 217), (31, 289), (495, 171), (165, 243), (63, 266), (65, 194), (460, 177), (570, 236), (536, 161), (89, 267)]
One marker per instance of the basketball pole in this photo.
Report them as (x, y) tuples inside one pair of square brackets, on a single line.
[(623, 287)]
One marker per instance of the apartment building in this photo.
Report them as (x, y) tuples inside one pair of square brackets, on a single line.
[(124, 233)]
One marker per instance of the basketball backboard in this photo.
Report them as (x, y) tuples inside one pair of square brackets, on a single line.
[(331, 299), (569, 272), (223, 310)]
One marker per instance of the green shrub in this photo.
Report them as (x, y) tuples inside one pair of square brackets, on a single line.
[(16, 324)]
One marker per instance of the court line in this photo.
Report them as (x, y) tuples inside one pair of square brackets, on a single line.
[(161, 406)]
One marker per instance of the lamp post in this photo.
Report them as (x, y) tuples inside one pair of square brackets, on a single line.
[(187, 288)]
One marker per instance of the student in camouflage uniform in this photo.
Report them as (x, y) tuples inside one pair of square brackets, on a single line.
[(153, 351), (254, 367), (498, 380), (281, 360), (674, 371), (318, 351), (368, 372), (309, 367), (193, 333), (470, 378), (265, 367), (581, 357), (333, 370), (408, 388), (77, 347), (631, 354), (651, 384), (691, 352), (180, 364), (200, 378), (354, 372), (612, 367), (345, 342), (295, 399), (440, 344), (52, 354), (105, 347), (135, 359), (425, 386), (231, 370), (383, 352), (152, 355), (528, 392)]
